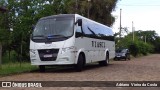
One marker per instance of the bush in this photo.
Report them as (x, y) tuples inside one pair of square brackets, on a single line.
[(133, 49), (137, 47), (140, 47), (9, 59)]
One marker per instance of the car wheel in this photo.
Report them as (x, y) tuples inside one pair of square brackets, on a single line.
[(126, 57)]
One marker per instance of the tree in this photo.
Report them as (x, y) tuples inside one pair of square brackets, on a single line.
[(157, 44), (145, 42), (149, 36), (2, 21), (99, 10)]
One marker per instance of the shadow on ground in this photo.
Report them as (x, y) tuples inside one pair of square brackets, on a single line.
[(69, 69)]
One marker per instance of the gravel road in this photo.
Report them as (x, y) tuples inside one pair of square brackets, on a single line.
[(145, 68)]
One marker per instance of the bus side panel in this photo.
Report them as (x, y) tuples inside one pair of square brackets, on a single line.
[(91, 40), (111, 49), (83, 44), (93, 51)]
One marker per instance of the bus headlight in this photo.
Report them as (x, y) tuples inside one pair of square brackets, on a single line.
[(32, 53), (64, 50)]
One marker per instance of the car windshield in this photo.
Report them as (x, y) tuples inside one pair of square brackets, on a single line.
[(121, 50), (53, 28)]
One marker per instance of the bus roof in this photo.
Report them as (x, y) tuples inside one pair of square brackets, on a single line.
[(72, 15), (76, 15)]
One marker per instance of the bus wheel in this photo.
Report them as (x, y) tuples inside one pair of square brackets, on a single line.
[(80, 64), (104, 62), (41, 68)]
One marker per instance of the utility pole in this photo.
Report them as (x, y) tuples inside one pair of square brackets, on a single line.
[(133, 30), (145, 39), (120, 27)]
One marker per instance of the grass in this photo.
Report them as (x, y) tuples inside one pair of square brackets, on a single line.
[(15, 68)]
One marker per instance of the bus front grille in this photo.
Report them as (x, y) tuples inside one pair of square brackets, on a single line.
[(48, 54)]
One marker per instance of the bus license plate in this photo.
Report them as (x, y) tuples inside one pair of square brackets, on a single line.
[(47, 56)]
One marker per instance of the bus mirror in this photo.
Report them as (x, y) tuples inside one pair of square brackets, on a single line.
[(79, 21)]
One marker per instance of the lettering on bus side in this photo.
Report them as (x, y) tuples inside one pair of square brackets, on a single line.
[(98, 44)]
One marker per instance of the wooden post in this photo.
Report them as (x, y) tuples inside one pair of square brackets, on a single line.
[(0, 55), (133, 30), (120, 27)]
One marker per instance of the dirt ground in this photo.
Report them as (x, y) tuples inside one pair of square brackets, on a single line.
[(145, 68)]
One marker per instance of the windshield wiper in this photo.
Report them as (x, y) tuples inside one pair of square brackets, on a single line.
[(39, 36), (56, 36)]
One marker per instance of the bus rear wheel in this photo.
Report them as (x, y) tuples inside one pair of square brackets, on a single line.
[(41, 68), (104, 62), (80, 64)]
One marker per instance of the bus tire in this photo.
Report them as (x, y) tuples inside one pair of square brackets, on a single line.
[(42, 68), (80, 63), (104, 62)]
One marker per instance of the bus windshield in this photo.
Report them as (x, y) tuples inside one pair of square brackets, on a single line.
[(53, 28)]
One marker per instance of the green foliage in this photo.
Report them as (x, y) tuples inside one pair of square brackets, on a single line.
[(133, 49), (10, 57), (150, 37), (14, 68), (156, 44), (139, 46), (99, 10)]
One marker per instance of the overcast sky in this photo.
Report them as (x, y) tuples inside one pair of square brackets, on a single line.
[(144, 13)]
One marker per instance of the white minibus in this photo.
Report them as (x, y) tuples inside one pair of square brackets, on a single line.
[(70, 39)]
